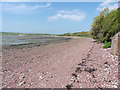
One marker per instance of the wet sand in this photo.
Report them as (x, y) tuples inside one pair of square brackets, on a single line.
[(77, 63)]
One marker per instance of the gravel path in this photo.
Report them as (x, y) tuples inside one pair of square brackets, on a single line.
[(81, 62)]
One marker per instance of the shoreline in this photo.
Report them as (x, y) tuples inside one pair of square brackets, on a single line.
[(28, 45), (77, 63)]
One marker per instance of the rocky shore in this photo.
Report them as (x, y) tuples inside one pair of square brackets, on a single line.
[(77, 63)]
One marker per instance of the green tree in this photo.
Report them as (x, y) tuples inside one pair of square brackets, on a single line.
[(106, 25), (97, 24)]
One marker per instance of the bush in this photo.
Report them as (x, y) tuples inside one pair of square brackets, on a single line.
[(106, 25), (107, 45)]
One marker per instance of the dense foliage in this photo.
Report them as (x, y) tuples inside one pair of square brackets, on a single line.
[(107, 45), (106, 25)]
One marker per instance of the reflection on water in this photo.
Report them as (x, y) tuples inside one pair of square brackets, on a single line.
[(25, 39)]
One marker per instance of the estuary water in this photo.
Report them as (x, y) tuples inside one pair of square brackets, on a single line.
[(28, 39)]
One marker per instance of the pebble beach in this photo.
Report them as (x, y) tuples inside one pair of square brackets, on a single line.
[(77, 63)]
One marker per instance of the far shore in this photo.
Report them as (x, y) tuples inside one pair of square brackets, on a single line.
[(27, 45)]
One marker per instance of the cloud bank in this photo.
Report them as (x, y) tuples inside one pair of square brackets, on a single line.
[(107, 4), (75, 15), (23, 8)]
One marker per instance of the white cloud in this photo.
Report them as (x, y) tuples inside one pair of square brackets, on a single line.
[(108, 4), (23, 8), (105, 3), (47, 5), (75, 15), (114, 6)]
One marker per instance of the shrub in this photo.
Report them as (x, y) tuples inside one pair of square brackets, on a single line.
[(107, 45)]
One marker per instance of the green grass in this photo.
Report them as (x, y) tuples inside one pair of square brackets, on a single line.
[(79, 34), (107, 45)]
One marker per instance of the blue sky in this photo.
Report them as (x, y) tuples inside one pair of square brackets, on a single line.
[(50, 17)]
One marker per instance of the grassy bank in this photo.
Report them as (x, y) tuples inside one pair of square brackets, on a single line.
[(13, 33), (79, 34)]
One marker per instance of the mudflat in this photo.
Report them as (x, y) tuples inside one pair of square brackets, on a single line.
[(77, 63)]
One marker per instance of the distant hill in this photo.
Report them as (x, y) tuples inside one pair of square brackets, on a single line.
[(80, 34), (13, 33), (9, 33)]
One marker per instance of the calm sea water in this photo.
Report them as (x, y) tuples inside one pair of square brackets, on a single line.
[(26, 39)]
